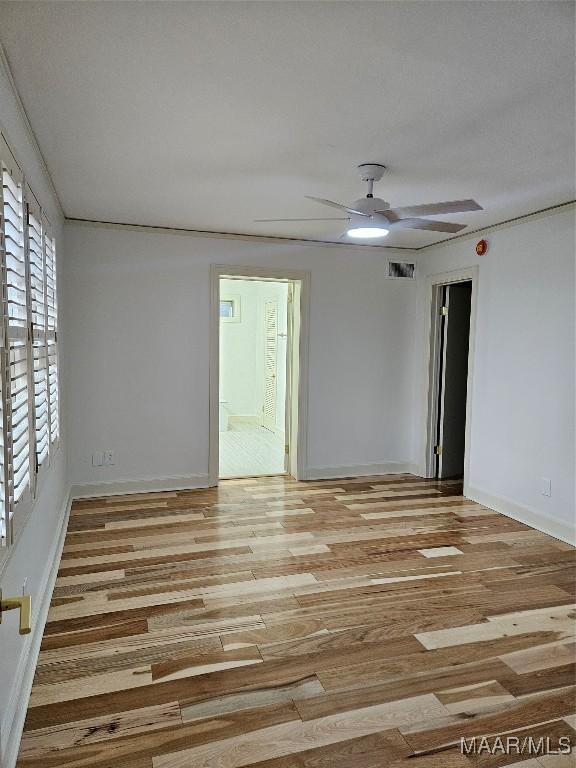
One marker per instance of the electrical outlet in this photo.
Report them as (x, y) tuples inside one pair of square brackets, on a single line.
[(98, 459), (545, 486), (109, 459)]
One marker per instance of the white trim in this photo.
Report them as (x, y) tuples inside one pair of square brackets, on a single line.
[(15, 712), (6, 552), (360, 470), (430, 367), (558, 529), (248, 238), (299, 400), (144, 485), (473, 234), (245, 418)]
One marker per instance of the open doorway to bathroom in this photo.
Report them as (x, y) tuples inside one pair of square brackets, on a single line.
[(258, 372), (254, 390)]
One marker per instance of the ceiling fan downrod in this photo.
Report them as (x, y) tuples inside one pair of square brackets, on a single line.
[(371, 172)]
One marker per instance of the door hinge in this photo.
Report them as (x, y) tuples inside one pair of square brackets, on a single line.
[(437, 450), (286, 448), (443, 311)]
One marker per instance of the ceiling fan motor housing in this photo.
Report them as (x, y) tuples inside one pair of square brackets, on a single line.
[(371, 171), (369, 205)]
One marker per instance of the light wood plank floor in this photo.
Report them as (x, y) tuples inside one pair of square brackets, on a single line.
[(363, 623)]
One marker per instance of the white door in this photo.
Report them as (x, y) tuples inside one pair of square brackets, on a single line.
[(270, 364)]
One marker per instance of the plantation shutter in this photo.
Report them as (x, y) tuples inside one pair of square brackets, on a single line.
[(29, 397), (4, 367), (16, 308), (3, 467), (270, 364), (38, 325), (52, 336)]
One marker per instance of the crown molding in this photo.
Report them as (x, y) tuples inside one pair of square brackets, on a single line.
[(539, 214), (233, 235)]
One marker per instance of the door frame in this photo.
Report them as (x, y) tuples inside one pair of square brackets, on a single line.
[(433, 365), (298, 366)]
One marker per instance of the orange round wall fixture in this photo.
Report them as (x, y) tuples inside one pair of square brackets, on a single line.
[(481, 247)]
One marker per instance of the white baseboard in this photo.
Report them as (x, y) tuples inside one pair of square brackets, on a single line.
[(245, 418), (15, 712), (558, 529), (145, 485), (358, 470)]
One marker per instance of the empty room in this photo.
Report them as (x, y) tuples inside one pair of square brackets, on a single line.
[(287, 384)]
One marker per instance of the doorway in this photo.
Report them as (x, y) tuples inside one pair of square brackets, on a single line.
[(452, 390), (450, 377), (258, 357), (254, 391)]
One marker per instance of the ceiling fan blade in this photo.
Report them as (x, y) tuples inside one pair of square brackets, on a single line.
[(333, 218), (435, 226), (434, 209), (332, 204)]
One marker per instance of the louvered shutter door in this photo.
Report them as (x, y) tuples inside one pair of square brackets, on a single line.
[(4, 367), (38, 319), (52, 336), (270, 364), (17, 316)]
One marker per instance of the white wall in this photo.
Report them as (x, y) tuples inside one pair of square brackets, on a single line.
[(138, 308), (522, 423), (32, 557)]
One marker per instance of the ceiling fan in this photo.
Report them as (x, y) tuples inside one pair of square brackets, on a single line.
[(371, 217)]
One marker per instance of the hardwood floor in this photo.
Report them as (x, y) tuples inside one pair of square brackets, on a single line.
[(364, 623)]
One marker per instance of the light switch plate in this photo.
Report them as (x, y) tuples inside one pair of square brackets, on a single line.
[(98, 459), (545, 486)]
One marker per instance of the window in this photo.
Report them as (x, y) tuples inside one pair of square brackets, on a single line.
[(230, 309), (29, 416), (227, 308)]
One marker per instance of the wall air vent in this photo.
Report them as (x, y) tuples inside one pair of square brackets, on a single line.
[(401, 270)]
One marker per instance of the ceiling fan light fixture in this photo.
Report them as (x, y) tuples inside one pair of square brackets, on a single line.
[(367, 233)]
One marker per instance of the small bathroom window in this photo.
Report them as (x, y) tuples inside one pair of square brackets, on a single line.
[(230, 309)]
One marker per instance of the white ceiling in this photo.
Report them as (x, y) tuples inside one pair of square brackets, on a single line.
[(207, 115)]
